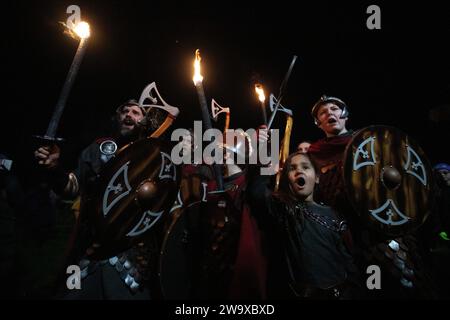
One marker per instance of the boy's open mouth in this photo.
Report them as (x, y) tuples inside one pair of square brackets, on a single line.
[(332, 120), (301, 182)]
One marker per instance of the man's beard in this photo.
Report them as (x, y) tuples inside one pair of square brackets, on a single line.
[(127, 132)]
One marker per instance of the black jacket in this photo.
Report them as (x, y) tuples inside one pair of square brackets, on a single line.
[(301, 251)]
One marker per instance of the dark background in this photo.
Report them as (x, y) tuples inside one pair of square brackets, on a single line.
[(392, 76)]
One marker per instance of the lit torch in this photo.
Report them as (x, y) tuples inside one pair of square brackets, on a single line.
[(262, 98), (198, 78), (198, 82), (81, 31)]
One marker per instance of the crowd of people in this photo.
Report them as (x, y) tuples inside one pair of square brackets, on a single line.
[(301, 240)]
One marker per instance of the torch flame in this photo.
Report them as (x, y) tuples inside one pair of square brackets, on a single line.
[(197, 76), (259, 90), (82, 30)]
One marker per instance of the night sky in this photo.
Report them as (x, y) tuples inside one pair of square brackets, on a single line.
[(392, 76)]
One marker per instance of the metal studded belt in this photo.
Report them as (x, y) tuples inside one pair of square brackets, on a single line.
[(127, 272)]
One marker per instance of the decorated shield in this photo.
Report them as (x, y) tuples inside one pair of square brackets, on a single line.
[(176, 258), (131, 194), (192, 190), (388, 179)]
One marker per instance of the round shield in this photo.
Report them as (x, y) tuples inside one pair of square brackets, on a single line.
[(131, 194), (176, 261), (388, 179), (192, 190), (180, 246)]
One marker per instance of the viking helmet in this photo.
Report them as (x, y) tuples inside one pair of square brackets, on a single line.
[(328, 99)]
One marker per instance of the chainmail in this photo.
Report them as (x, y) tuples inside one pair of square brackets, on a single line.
[(335, 225)]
